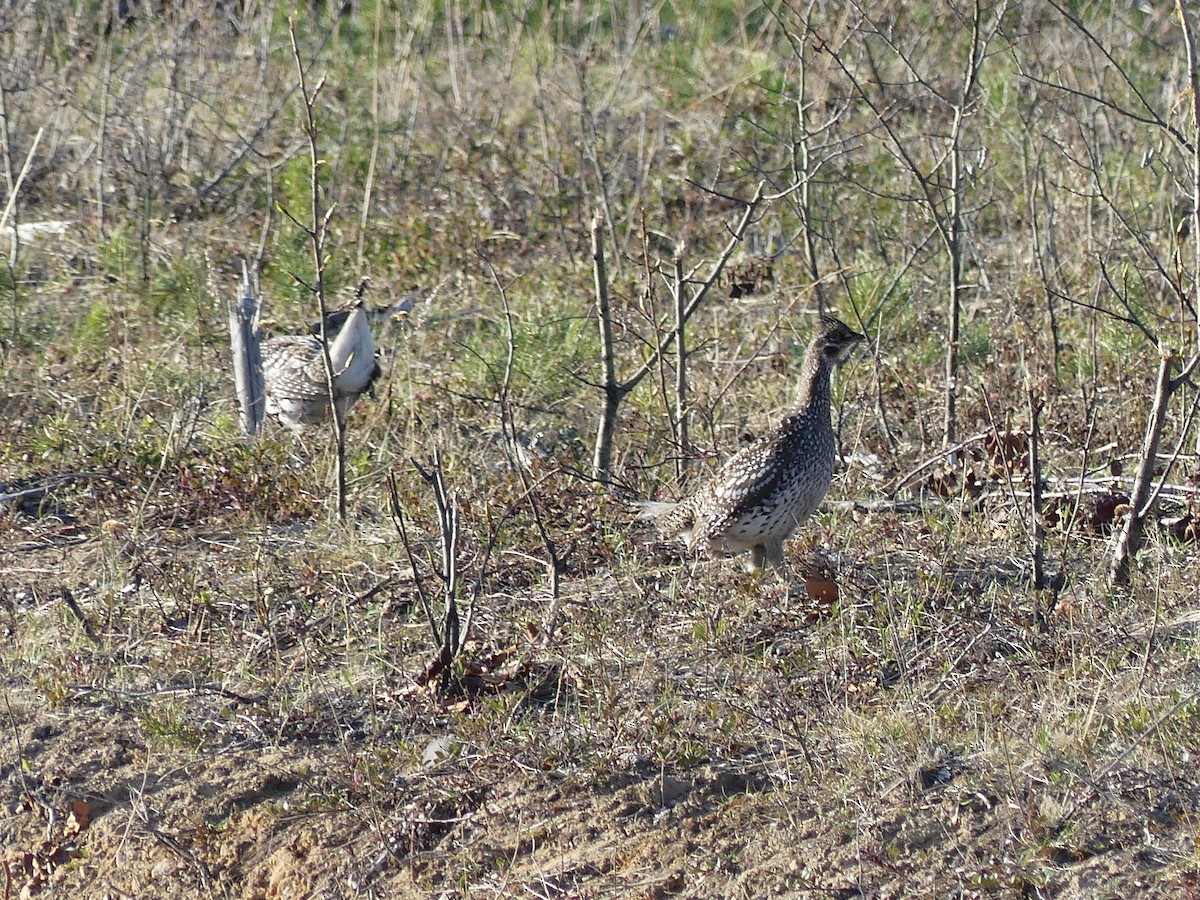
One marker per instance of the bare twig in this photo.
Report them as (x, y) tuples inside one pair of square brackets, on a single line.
[(1128, 540), (615, 389), (554, 563), (316, 231), (934, 460)]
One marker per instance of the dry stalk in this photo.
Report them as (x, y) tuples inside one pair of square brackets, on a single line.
[(374, 158), (450, 628), (1128, 539), (317, 232), (554, 563), (1037, 534), (682, 440), (1189, 43)]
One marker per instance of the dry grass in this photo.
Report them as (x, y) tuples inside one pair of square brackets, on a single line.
[(210, 689)]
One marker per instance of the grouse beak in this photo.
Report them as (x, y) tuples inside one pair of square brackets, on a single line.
[(852, 340)]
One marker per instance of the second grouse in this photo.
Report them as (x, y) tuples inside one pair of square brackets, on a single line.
[(762, 494)]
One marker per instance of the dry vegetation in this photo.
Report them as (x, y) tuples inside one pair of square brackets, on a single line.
[(210, 688)]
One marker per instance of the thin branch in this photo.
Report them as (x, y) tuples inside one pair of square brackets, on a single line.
[(507, 423), (12, 198), (316, 234)]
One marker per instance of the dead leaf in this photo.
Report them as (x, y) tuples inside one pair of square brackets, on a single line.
[(822, 590), (1008, 452), (78, 819)]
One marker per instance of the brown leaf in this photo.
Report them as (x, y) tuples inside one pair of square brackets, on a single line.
[(1008, 452), (78, 819), (822, 590), (943, 482)]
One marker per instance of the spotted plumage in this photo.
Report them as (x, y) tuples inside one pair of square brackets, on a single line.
[(294, 378), (762, 494)]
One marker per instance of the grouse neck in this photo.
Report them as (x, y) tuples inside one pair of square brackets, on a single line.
[(814, 381)]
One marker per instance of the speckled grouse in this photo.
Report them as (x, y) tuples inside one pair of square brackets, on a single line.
[(763, 493), (294, 380)]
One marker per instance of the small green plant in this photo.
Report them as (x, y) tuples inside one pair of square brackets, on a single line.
[(93, 335)]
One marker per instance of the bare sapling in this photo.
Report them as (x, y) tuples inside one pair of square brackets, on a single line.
[(450, 609), (943, 181), (688, 292), (1127, 539), (806, 154), (448, 629), (317, 229)]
